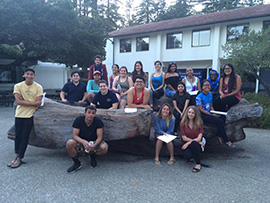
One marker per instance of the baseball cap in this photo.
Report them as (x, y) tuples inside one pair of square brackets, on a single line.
[(96, 72)]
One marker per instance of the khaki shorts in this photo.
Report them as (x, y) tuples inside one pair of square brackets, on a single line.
[(80, 148)]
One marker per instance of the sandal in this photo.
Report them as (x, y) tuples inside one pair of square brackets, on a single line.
[(230, 146), (12, 162), (17, 163), (196, 170), (171, 161), (157, 162)]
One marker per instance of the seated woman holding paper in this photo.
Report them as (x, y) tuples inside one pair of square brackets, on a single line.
[(192, 84), (229, 89), (204, 102), (164, 124), (191, 128)]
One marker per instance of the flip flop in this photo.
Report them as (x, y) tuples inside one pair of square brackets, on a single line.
[(12, 162), (171, 161), (195, 170), (230, 146), (16, 164), (157, 162)]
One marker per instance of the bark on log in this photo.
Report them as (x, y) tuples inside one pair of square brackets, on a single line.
[(53, 124)]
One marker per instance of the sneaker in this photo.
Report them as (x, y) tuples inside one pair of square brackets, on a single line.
[(93, 160), (74, 167)]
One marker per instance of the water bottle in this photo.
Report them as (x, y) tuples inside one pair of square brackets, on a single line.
[(119, 88), (90, 144)]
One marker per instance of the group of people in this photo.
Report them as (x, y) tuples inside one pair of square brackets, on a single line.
[(216, 93), (219, 93)]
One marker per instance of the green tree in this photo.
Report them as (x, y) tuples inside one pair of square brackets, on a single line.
[(250, 54), (180, 9), (48, 31), (216, 5), (146, 12)]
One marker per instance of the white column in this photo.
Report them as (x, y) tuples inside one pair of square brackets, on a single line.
[(216, 47)]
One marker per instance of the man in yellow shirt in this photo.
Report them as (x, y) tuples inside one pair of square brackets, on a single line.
[(28, 95)]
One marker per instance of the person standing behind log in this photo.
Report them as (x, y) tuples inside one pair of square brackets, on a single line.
[(105, 98), (191, 128), (92, 86), (164, 124), (75, 89), (98, 66), (138, 96), (192, 84), (86, 128), (138, 70), (121, 85), (157, 82), (115, 70), (28, 95), (171, 80)]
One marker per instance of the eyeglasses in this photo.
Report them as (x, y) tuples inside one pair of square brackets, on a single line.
[(139, 82)]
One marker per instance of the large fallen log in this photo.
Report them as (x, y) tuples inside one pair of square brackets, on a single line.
[(53, 124), (126, 132)]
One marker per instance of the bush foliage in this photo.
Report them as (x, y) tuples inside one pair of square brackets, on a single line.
[(264, 101)]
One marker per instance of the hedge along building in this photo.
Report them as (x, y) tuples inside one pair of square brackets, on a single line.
[(194, 41)]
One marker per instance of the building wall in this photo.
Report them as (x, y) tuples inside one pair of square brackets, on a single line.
[(197, 57)]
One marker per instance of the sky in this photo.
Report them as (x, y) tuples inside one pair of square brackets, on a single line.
[(169, 2)]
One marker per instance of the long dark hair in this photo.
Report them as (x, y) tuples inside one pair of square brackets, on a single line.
[(170, 65), (232, 79), (134, 73), (181, 83)]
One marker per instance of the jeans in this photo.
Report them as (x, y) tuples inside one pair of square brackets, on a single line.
[(169, 93), (193, 151), (155, 96), (219, 123), (23, 127), (225, 104), (177, 117)]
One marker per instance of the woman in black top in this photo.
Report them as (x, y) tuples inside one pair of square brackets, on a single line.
[(171, 80)]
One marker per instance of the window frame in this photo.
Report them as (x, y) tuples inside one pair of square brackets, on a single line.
[(141, 46), (201, 30), (120, 50), (236, 25), (167, 40)]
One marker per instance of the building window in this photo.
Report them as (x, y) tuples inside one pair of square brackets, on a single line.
[(234, 32), (266, 24), (174, 40), (125, 45), (201, 38), (142, 44)]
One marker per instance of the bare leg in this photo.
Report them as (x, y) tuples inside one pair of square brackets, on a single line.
[(158, 148), (102, 150), (170, 148), (122, 104), (90, 97), (71, 148)]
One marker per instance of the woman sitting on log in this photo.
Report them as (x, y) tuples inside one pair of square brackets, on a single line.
[(204, 102), (229, 89), (192, 131), (164, 124), (171, 80), (121, 85), (180, 102), (115, 70), (157, 81)]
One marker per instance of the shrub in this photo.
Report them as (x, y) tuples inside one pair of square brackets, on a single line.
[(264, 101)]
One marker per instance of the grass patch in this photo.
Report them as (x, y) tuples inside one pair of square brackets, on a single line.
[(264, 101)]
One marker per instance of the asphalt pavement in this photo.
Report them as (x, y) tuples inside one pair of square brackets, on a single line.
[(240, 175)]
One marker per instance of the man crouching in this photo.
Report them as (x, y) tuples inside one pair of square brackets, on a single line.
[(87, 138)]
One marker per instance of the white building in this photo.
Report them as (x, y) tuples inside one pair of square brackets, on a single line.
[(194, 41)]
